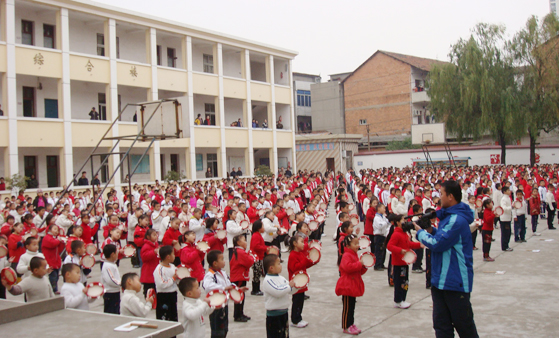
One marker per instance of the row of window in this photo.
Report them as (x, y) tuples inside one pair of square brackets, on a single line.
[(304, 98), (28, 37)]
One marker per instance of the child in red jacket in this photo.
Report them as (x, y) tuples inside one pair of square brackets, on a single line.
[(240, 266), (171, 238), (52, 247), (140, 234), (487, 228), (258, 248), (150, 260), (190, 255), (210, 237), (298, 261), (350, 284), (398, 243), (15, 244)]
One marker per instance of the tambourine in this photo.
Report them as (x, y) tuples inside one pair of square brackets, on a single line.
[(272, 250), (499, 211), (218, 298), (314, 255), (244, 224), (91, 249), (99, 210), (315, 244), (289, 211), (479, 203), (517, 204), (301, 279), (475, 225), (95, 290), (409, 257), (202, 246), (9, 275), (313, 225), (219, 215), (322, 206), (33, 232), (87, 261), (291, 217), (351, 206), (129, 250), (3, 251), (368, 259), (221, 234), (163, 213), (214, 210), (261, 212), (320, 219), (183, 271), (236, 295), (364, 242), (152, 293), (354, 219), (183, 228)]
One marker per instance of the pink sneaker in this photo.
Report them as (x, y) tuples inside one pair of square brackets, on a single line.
[(356, 328), (351, 330)]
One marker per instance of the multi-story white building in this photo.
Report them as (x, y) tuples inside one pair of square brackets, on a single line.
[(61, 58), (553, 6), (302, 100)]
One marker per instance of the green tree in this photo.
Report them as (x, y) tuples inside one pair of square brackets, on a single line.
[(475, 93), (535, 50), (173, 176), (404, 144)]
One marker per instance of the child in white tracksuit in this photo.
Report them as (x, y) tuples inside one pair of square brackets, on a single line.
[(193, 308)]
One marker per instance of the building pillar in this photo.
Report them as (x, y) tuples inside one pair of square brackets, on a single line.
[(294, 124), (153, 95), (9, 87), (221, 111), (248, 105), (192, 149), (112, 94), (274, 166), (64, 97)]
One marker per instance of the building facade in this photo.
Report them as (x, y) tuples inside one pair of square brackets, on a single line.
[(69, 67), (387, 93), (320, 152), (302, 100), (328, 105), (553, 6)]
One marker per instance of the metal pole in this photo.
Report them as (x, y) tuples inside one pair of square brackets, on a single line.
[(368, 139)]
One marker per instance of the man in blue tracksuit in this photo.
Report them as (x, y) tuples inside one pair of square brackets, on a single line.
[(451, 265)]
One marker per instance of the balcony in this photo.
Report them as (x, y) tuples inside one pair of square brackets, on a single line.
[(419, 95)]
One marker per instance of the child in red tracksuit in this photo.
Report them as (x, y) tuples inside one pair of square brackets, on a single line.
[(52, 247), (398, 243), (258, 248), (487, 228), (240, 263), (15, 244), (150, 260), (171, 238), (191, 256), (87, 231), (298, 261), (140, 234), (210, 237), (350, 284)]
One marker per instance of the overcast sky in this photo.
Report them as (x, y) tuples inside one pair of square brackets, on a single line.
[(337, 36)]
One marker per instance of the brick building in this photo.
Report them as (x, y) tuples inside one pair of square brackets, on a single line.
[(387, 92)]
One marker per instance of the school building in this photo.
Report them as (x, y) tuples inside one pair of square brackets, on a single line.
[(69, 67)]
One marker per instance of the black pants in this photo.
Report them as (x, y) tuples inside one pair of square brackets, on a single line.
[(452, 310), (167, 306), (401, 278), (380, 251), (505, 235), (148, 286), (418, 265), (550, 216), (390, 271), (348, 311), (239, 309), (474, 238), (277, 326), (135, 260), (2, 292), (219, 322), (230, 254), (520, 228), (298, 300), (487, 236), (428, 269), (372, 239), (111, 303), (534, 223)]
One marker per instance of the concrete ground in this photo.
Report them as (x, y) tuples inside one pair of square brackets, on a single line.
[(523, 302)]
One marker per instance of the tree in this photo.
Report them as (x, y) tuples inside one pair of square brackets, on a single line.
[(404, 144), (263, 170), (535, 50), (173, 176), (475, 93), (17, 182)]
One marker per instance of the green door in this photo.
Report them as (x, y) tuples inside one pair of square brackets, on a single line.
[(51, 108)]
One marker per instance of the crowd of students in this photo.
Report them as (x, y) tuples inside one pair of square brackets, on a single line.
[(263, 218)]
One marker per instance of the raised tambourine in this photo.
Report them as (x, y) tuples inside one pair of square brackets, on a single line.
[(315, 244), (87, 261), (314, 255), (354, 219), (236, 294), (202, 246), (368, 259), (218, 298), (183, 271), (3, 251), (272, 250), (479, 203), (498, 211), (129, 250), (289, 211), (351, 206), (301, 279), (221, 234), (244, 224), (91, 249), (152, 293), (9, 275), (95, 290), (517, 204), (364, 242), (313, 225)]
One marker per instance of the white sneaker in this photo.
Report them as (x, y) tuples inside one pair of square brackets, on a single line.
[(537, 234), (402, 305), (300, 325)]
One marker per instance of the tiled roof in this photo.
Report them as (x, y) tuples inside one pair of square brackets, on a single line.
[(421, 63)]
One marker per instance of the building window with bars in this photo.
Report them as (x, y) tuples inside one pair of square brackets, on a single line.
[(304, 98), (208, 63)]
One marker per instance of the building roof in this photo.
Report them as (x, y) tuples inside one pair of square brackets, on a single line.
[(415, 61), (304, 74), (319, 137)]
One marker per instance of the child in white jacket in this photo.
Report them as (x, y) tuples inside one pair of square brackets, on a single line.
[(130, 304), (32, 250), (193, 308), (74, 292)]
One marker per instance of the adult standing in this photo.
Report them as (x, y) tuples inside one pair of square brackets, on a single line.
[(452, 265), (93, 114), (209, 173), (83, 180), (239, 173)]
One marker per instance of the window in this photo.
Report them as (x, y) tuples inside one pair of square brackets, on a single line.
[(162, 162), (171, 57), (28, 101), (27, 32), (158, 49), (100, 45), (52, 171), (208, 63), (30, 166), (48, 36), (362, 122), (143, 168), (101, 99), (175, 162), (304, 98), (212, 164), (209, 109), (117, 48), (199, 162)]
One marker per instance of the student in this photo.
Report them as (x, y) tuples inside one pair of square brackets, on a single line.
[(165, 277), (398, 243), (77, 251), (149, 259), (217, 279), (15, 244), (551, 205), (298, 261), (139, 236), (110, 277), (276, 298), (346, 229), (209, 236), (240, 267), (193, 308), (115, 234), (171, 238), (32, 250), (381, 227), (350, 284), (506, 219), (519, 215), (487, 229), (131, 305), (74, 292), (257, 247), (233, 229), (35, 287), (195, 224), (191, 256), (535, 209)]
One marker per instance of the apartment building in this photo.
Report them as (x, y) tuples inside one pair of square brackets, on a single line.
[(387, 93), (69, 67), (302, 99), (328, 108)]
